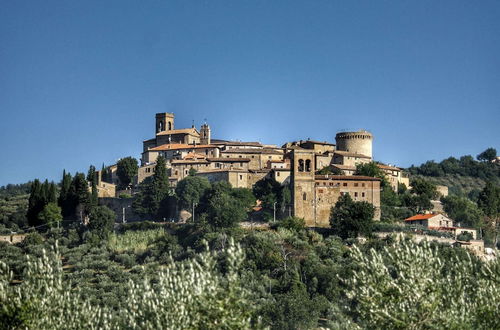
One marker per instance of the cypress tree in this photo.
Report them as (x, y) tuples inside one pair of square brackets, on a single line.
[(52, 193), (91, 174), (35, 203), (64, 196), (45, 192), (104, 176)]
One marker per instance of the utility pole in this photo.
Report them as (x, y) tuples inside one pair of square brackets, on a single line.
[(274, 211), (194, 204)]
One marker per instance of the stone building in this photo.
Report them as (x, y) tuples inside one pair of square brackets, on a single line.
[(244, 163), (314, 195)]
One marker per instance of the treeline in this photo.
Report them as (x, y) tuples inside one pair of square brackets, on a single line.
[(483, 168), (12, 190)]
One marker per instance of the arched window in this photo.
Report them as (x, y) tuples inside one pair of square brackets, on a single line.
[(160, 126), (308, 165), (301, 165), (169, 126), (304, 196)]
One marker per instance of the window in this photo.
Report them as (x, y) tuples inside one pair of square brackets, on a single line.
[(169, 126), (176, 172), (355, 184), (344, 184), (301, 165), (362, 185), (241, 156), (355, 194), (241, 177), (331, 183), (270, 157), (277, 173), (304, 196), (362, 194), (308, 165)]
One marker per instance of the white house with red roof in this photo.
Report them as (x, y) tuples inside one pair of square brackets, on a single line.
[(440, 222)]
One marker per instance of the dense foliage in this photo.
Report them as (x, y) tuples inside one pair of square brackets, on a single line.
[(147, 276), (126, 170)]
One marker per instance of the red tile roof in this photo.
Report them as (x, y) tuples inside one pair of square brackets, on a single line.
[(191, 131), (421, 217), (178, 146)]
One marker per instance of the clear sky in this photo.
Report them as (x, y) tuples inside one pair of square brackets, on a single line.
[(80, 81)]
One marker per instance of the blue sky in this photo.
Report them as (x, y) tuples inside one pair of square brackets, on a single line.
[(80, 81)]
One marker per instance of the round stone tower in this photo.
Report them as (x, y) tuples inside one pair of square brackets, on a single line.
[(359, 142)]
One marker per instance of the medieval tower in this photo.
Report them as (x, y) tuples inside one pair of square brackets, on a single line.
[(205, 134), (164, 122), (359, 142), (303, 183)]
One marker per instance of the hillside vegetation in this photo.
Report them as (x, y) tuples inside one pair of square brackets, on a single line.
[(464, 175)]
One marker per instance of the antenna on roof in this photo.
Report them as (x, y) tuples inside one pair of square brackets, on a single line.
[(192, 124)]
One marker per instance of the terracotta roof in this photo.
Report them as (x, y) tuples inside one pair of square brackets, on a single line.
[(346, 177), (193, 155), (388, 167), (231, 160), (253, 151), (189, 161), (350, 154), (222, 170), (318, 142), (192, 131), (421, 217), (238, 143), (178, 146)]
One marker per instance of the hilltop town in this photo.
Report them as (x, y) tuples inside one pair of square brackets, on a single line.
[(242, 164)]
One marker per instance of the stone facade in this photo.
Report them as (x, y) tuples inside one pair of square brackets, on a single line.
[(242, 164), (359, 142)]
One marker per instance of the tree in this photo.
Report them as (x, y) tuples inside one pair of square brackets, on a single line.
[(268, 191), (52, 193), (219, 208), (36, 203), (489, 202), (64, 195), (349, 218), (462, 210), (101, 221), (414, 286), (488, 155), (92, 178), (330, 170), (155, 192), (126, 170), (190, 189), (244, 196), (51, 215), (423, 187)]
